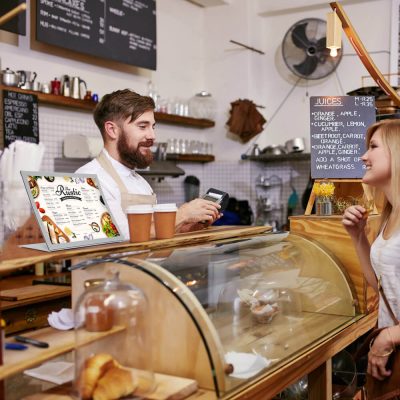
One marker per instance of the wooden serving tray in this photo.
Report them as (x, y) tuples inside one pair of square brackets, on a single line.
[(167, 388), (33, 291)]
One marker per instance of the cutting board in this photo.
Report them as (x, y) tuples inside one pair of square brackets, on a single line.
[(172, 388), (168, 388), (30, 292)]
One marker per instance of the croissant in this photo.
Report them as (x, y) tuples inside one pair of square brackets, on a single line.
[(94, 368), (115, 383)]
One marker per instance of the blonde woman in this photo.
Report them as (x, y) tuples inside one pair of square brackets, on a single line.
[(381, 260)]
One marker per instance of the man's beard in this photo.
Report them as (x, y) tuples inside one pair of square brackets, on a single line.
[(133, 158)]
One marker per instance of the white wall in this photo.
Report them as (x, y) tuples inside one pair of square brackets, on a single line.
[(194, 54), (293, 118), (233, 72)]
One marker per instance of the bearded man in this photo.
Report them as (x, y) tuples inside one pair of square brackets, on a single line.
[(126, 122)]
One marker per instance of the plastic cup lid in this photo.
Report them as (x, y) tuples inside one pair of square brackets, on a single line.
[(166, 207), (140, 209)]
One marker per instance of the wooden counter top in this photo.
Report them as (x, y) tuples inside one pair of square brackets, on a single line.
[(14, 257)]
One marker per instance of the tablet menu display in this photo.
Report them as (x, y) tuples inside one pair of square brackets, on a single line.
[(70, 209), (119, 30)]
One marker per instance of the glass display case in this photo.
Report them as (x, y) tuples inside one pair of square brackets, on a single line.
[(227, 313)]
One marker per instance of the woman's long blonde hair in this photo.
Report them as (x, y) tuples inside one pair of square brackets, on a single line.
[(390, 131)]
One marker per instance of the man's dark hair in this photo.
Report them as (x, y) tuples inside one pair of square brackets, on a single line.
[(120, 105)]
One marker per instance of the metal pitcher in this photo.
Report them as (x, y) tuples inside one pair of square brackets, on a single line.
[(26, 79), (65, 85), (75, 88)]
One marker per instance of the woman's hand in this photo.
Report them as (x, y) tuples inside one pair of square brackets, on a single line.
[(354, 221), (376, 357), (197, 214)]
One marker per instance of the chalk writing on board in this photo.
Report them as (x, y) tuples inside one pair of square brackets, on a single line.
[(338, 126), (120, 30), (20, 117)]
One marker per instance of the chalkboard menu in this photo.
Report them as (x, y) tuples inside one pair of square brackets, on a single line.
[(120, 30), (16, 24), (20, 117), (338, 127)]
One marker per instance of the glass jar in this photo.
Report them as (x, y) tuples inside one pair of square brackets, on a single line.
[(202, 105), (113, 351), (323, 205)]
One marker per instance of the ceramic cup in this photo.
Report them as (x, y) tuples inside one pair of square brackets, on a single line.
[(46, 88), (164, 220), (139, 220)]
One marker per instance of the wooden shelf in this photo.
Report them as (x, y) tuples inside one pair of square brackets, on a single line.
[(279, 157), (60, 342), (51, 99), (86, 105), (203, 158), (184, 121)]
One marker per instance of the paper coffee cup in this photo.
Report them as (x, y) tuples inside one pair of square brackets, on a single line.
[(139, 220), (164, 220)]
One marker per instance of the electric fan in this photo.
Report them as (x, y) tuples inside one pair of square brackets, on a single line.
[(304, 50)]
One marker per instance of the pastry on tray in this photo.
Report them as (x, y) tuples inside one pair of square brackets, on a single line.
[(264, 313), (115, 383), (103, 378), (93, 369)]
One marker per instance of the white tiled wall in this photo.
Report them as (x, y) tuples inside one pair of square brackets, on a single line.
[(232, 177), (55, 124), (294, 173)]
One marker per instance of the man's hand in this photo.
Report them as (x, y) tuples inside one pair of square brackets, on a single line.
[(197, 214)]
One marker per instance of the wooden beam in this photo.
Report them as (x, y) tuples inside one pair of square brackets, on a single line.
[(363, 53), (12, 13)]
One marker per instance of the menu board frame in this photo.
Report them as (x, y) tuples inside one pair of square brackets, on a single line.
[(75, 55), (338, 125), (28, 132), (76, 180)]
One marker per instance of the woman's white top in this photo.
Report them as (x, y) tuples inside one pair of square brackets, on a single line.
[(385, 260)]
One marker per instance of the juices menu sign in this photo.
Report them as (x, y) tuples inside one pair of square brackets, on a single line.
[(120, 30), (338, 127), (70, 209)]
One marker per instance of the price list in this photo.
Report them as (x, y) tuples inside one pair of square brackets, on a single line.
[(20, 117), (338, 126)]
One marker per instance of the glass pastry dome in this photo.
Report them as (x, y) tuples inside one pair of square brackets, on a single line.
[(232, 311), (113, 356)]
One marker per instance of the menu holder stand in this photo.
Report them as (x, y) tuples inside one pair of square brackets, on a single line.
[(343, 188)]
